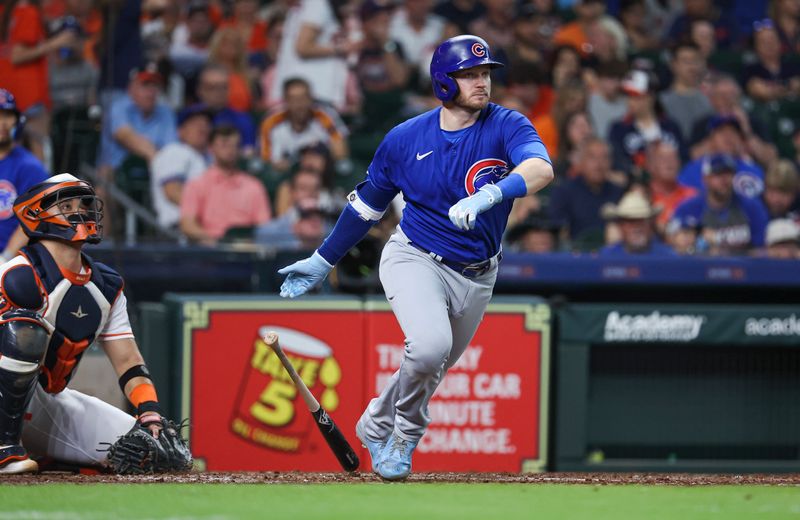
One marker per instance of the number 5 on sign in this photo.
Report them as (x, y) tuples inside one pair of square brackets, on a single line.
[(275, 405)]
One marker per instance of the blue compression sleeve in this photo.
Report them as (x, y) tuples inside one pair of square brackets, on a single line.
[(513, 186), (348, 231)]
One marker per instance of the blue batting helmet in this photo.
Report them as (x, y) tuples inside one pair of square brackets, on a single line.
[(458, 53), (8, 103)]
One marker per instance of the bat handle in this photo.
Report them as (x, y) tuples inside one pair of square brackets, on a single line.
[(271, 339)]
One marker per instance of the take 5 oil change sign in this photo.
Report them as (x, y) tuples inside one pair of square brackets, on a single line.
[(246, 413)]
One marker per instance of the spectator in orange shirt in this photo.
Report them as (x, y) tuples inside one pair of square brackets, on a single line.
[(223, 197), (24, 47), (575, 34), (228, 49), (247, 23), (663, 163)]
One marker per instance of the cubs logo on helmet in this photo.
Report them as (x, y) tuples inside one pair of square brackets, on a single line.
[(485, 171), (478, 49), (7, 195)]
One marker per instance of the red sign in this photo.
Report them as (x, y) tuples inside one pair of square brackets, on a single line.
[(246, 414), (485, 415)]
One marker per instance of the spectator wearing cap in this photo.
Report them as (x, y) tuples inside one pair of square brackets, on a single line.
[(213, 87), (72, 74), (725, 96), (536, 234), (139, 124), (726, 27), (644, 123), (381, 70), (725, 137), (683, 100), (299, 123), (606, 103), (663, 165), (731, 223), (223, 197), (783, 239), (575, 204), (633, 216), (781, 185), (774, 76), (179, 162), (19, 170), (190, 40)]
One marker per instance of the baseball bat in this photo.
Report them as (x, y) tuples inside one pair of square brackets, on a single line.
[(332, 434)]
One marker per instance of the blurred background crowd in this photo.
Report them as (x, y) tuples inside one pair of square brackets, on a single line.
[(673, 126)]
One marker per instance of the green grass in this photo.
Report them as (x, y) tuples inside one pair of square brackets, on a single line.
[(395, 501)]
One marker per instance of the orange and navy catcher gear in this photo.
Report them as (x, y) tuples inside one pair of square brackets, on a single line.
[(458, 53), (39, 211)]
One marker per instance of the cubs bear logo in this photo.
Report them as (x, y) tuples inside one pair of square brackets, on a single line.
[(478, 50), (8, 193), (485, 171)]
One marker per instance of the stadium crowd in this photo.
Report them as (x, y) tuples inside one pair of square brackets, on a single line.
[(673, 126)]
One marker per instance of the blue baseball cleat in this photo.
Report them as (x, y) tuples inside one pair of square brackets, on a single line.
[(396, 459), (375, 448)]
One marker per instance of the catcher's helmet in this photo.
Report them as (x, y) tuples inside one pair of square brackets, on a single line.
[(458, 53), (40, 213)]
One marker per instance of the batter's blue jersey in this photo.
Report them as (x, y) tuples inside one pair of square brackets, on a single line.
[(434, 172), (19, 170)]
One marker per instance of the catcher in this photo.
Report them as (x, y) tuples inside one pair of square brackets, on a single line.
[(54, 302)]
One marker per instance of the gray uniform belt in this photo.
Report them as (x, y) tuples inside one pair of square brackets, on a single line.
[(464, 269)]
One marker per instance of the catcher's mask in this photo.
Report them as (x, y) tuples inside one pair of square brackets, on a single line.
[(63, 208)]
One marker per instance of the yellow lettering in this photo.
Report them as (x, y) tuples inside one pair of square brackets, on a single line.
[(260, 353), (275, 405)]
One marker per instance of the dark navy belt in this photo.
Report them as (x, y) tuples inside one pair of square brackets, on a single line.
[(464, 269)]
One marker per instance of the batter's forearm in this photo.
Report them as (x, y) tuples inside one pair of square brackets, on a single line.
[(537, 173)]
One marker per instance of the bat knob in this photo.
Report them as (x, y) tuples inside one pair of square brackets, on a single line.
[(271, 338)]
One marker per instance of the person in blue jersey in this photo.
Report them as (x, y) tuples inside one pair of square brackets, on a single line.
[(459, 167), (19, 170), (634, 217), (730, 223)]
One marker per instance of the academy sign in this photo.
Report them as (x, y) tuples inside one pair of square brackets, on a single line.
[(652, 327), (764, 327)]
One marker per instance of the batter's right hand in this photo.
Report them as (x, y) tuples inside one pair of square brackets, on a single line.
[(304, 275)]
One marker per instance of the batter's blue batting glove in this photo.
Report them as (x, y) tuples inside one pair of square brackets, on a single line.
[(304, 275), (464, 212)]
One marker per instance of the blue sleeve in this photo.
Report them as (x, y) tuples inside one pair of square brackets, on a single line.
[(375, 197), (758, 222), (248, 130), (348, 231), (522, 140), (30, 174), (119, 114), (379, 173)]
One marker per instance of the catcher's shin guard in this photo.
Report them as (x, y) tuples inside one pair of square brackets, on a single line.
[(23, 343)]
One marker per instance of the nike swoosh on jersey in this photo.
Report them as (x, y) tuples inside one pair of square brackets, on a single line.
[(421, 156)]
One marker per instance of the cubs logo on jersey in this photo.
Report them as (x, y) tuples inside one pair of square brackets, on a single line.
[(485, 171), (8, 193)]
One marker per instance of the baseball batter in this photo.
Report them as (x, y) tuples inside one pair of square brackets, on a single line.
[(54, 301), (459, 167)]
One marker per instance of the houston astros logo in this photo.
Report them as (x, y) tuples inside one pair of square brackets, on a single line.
[(7, 195), (478, 50), (485, 171)]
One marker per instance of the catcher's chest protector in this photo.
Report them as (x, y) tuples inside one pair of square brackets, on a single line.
[(78, 308)]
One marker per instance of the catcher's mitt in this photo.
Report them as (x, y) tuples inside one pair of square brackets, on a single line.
[(138, 451)]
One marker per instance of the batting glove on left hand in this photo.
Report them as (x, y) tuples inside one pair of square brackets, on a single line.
[(464, 213), (304, 275)]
